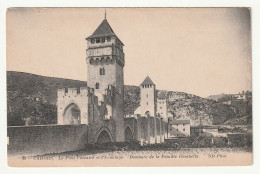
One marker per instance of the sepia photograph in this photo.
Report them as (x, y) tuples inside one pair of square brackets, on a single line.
[(129, 87)]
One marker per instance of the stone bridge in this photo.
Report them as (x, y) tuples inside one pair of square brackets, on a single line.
[(146, 130)]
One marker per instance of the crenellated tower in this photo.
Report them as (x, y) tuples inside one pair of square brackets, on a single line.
[(105, 63), (148, 97), (105, 59)]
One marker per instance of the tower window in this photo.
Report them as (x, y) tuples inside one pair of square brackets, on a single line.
[(108, 39), (98, 40), (103, 40), (147, 95), (147, 103), (107, 60), (102, 71), (92, 41), (97, 85)]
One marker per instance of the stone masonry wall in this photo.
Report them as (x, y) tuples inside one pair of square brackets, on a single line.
[(46, 139)]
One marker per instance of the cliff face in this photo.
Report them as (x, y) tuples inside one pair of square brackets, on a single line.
[(193, 110), (201, 111), (32, 99), (196, 109)]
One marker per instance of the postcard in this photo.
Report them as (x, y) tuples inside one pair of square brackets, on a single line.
[(129, 87)]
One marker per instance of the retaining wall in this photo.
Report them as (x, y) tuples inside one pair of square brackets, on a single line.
[(45, 139)]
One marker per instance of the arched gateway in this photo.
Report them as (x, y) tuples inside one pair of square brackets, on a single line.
[(104, 136), (71, 114)]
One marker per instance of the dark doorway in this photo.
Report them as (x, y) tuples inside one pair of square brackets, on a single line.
[(128, 134), (104, 137)]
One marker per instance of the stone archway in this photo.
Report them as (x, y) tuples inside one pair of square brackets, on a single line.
[(128, 134), (71, 114), (104, 136)]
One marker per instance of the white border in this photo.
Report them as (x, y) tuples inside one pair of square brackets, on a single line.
[(254, 4)]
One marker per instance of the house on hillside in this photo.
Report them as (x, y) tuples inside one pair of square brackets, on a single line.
[(178, 128)]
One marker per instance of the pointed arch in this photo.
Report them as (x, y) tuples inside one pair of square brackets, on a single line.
[(104, 136), (128, 133), (72, 114)]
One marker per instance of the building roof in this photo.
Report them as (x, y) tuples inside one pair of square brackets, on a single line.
[(161, 95), (147, 81), (180, 122), (104, 29)]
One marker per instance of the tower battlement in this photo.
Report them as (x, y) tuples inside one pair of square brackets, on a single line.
[(76, 92), (106, 60), (86, 92)]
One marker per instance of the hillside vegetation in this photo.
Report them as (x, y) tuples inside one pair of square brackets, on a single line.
[(31, 99), (218, 96)]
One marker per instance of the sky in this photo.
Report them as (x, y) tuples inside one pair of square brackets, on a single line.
[(201, 51)]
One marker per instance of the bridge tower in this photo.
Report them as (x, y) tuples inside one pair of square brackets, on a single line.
[(105, 63)]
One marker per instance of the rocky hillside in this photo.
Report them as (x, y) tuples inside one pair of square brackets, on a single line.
[(203, 111), (218, 96), (31, 99), (131, 98)]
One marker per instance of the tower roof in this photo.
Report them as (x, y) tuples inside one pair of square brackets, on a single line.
[(147, 81), (104, 29)]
